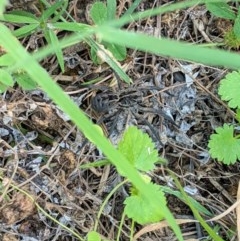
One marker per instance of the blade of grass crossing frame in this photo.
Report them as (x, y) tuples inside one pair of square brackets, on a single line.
[(38, 74), (171, 48)]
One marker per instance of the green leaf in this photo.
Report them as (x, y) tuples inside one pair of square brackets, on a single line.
[(25, 81), (25, 30), (6, 60), (3, 4), (224, 146), (194, 202), (111, 9), (170, 48), (132, 8), (3, 87), (139, 149), (137, 207), (229, 89), (196, 214), (94, 57), (6, 78), (118, 51), (51, 10), (238, 115), (107, 56), (221, 10), (93, 236), (98, 13), (53, 40), (75, 27), (236, 27), (19, 17)]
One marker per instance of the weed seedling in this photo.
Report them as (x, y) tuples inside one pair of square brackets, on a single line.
[(139, 149), (225, 144)]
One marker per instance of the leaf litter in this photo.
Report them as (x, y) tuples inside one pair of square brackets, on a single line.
[(41, 150)]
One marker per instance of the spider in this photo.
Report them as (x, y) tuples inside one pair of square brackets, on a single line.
[(130, 106)]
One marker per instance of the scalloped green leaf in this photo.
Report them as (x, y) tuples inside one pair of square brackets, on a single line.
[(221, 10), (224, 146), (230, 88), (137, 207), (98, 13), (139, 149), (93, 236)]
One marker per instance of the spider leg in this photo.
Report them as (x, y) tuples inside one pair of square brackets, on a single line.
[(154, 132)]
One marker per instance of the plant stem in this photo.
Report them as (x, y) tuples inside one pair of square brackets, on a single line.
[(106, 200)]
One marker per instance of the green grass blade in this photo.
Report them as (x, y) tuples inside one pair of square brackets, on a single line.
[(210, 231), (19, 17), (221, 10), (51, 10), (107, 57), (25, 30), (57, 49), (159, 46), (179, 195), (74, 27), (132, 8), (160, 10), (171, 48), (3, 4), (38, 74), (58, 15)]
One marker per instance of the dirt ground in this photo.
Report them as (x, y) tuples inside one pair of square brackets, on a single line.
[(174, 101)]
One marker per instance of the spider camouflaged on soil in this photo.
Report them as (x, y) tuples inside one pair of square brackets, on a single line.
[(133, 103)]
